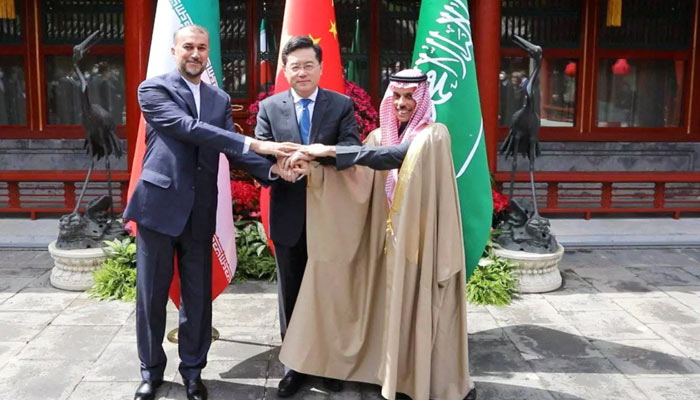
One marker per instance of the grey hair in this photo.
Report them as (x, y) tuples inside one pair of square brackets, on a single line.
[(193, 27)]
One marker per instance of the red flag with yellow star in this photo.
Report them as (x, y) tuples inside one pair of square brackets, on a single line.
[(315, 19)]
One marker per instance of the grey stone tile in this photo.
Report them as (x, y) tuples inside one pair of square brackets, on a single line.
[(581, 302), (256, 288), (552, 341), (244, 312), (9, 350), (659, 310), (120, 362), (572, 283), (483, 325), (20, 326), (41, 379), (514, 390), (653, 257), (16, 257), (692, 269), (612, 325), (669, 388), (39, 299), (112, 391), (583, 258), (618, 283), (85, 311), (666, 276), (683, 337), (585, 378), (69, 343), (232, 349), (527, 311), (239, 389), (692, 253), (495, 357), (635, 357), (688, 295)]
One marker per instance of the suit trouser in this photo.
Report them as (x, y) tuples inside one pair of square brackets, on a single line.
[(154, 273), (291, 263)]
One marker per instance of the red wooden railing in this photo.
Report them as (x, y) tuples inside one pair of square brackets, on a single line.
[(35, 192), (609, 192)]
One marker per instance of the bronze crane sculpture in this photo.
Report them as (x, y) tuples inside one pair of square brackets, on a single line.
[(100, 131), (85, 231), (525, 229)]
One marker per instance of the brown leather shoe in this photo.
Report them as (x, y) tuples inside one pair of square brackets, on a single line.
[(147, 390)]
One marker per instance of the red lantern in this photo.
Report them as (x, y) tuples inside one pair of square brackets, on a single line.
[(621, 67), (570, 69)]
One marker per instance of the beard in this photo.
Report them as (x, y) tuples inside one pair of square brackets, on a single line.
[(192, 71)]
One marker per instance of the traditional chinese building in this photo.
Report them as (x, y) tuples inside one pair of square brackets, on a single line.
[(620, 86)]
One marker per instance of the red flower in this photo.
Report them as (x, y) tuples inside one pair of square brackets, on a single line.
[(501, 202), (245, 198)]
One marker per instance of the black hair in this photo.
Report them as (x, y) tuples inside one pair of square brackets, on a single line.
[(301, 42)]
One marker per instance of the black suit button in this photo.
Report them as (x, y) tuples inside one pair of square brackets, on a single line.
[(192, 187), (199, 168)]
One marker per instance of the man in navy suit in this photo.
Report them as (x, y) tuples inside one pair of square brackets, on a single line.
[(304, 114), (174, 203)]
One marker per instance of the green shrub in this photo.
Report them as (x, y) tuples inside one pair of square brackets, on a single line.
[(255, 260), (493, 281), (116, 279)]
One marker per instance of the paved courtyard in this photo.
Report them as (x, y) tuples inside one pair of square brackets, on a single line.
[(625, 325)]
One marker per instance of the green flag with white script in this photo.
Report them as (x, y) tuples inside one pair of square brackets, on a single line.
[(444, 51)]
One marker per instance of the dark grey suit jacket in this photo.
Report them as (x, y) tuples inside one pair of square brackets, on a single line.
[(333, 123), (182, 156), (375, 157)]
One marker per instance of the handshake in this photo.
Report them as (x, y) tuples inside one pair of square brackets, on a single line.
[(292, 158)]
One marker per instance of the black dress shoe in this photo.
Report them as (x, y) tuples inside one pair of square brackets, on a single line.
[(471, 395), (334, 385), (290, 384), (147, 390), (195, 389)]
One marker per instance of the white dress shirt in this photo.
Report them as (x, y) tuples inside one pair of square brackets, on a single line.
[(300, 108), (194, 88)]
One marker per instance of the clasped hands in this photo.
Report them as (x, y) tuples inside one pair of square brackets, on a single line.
[(297, 164)]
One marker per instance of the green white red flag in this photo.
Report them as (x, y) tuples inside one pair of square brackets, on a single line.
[(171, 15)]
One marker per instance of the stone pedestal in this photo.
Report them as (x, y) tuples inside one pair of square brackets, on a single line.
[(73, 268), (537, 273)]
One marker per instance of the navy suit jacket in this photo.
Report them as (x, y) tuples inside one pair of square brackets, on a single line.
[(333, 122), (182, 156)]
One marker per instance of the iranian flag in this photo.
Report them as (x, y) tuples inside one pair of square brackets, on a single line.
[(315, 19), (265, 67), (170, 16), (444, 50)]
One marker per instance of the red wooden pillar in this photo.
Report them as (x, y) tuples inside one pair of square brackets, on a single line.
[(138, 24), (486, 35)]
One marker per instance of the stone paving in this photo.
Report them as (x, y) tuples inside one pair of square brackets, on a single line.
[(625, 325)]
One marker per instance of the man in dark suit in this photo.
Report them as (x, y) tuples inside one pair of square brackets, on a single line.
[(174, 203), (304, 114)]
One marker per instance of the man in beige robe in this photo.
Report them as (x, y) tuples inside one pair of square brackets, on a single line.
[(383, 296)]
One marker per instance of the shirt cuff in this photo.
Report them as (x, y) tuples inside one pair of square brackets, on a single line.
[(246, 144), (271, 175)]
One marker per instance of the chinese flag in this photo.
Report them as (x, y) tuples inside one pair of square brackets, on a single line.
[(315, 19)]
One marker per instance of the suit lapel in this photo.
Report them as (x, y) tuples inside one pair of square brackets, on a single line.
[(205, 101), (184, 91), (289, 113), (319, 112)]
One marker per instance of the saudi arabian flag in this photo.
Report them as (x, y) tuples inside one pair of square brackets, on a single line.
[(444, 51), (170, 16)]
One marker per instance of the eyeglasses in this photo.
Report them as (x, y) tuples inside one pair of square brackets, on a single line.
[(296, 68)]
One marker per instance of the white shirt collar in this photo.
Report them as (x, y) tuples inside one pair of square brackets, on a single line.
[(194, 88), (298, 98)]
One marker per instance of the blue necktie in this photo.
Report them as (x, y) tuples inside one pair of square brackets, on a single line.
[(305, 121)]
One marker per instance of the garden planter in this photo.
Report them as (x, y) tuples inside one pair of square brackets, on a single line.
[(537, 273), (73, 268)]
